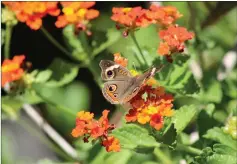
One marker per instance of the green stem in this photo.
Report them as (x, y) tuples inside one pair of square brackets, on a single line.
[(95, 74), (161, 156), (138, 47), (90, 65), (8, 36), (188, 149), (55, 42), (84, 41)]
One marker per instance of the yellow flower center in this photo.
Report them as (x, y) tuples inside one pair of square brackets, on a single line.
[(125, 10), (68, 11), (152, 110), (143, 118), (134, 72), (81, 12), (10, 67)]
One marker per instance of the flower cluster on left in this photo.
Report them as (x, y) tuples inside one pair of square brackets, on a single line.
[(11, 69), (32, 13), (100, 129), (76, 13)]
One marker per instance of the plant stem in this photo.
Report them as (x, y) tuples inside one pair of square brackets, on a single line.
[(85, 44), (188, 149), (53, 134), (161, 156), (55, 42), (138, 47), (42, 139), (95, 74), (90, 65), (8, 35)]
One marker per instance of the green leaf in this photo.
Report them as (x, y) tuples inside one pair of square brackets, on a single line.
[(63, 73), (30, 97), (63, 103), (166, 135), (74, 43), (183, 116), (134, 137), (43, 76), (138, 158), (177, 78), (220, 159), (202, 157), (217, 134), (212, 93), (11, 106), (121, 157), (170, 135), (112, 37), (205, 119), (219, 155), (229, 84), (223, 149)]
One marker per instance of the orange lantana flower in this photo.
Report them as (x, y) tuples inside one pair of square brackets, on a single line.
[(32, 13), (130, 18), (100, 129), (157, 105), (111, 144), (163, 49), (77, 13), (174, 38), (120, 60), (11, 69), (163, 15)]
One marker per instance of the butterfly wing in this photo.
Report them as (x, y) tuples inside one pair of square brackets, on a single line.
[(114, 91), (136, 83), (113, 71)]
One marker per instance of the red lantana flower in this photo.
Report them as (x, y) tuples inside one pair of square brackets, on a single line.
[(32, 13), (174, 38), (11, 69), (88, 127), (77, 13)]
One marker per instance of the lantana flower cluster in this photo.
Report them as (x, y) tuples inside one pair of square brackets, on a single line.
[(11, 69), (173, 36), (77, 13), (151, 108), (32, 13), (100, 129), (231, 127)]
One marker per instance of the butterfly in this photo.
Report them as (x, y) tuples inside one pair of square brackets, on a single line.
[(120, 86)]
